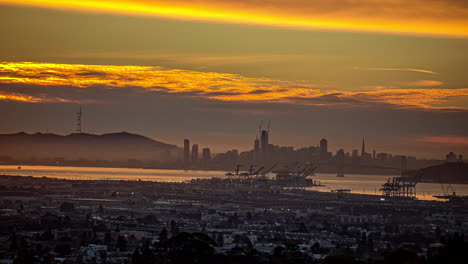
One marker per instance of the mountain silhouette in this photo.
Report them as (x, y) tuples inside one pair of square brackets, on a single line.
[(114, 146)]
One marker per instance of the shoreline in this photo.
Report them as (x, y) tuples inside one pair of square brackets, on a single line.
[(185, 169), (352, 195)]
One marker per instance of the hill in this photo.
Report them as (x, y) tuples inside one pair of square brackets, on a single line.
[(115, 147), (449, 172)]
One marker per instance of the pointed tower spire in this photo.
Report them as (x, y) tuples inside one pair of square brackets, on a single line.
[(363, 151)]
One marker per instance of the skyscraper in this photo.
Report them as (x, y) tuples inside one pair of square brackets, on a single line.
[(363, 150), (195, 153), (256, 151), (323, 146), (264, 145), (206, 154), (186, 151)]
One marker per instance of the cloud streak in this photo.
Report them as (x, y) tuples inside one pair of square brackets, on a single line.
[(156, 81), (402, 69), (429, 17)]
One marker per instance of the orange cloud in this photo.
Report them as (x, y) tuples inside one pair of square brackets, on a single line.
[(430, 17), (422, 83), (422, 98), (30, 99), (19, 98), (210, 85), (213, 85), (401, 69)]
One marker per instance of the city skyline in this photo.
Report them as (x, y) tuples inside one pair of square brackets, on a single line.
[(262, 137)]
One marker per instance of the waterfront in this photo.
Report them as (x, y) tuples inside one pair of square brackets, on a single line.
[(361, 184)]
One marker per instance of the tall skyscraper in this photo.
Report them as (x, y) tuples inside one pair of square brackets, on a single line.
[(195, 153), (206, 154), (256, 150), (323, 146), (264, 145), (186, 151)]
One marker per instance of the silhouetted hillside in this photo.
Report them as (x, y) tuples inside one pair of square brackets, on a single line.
[(115, 146), (450, 172)]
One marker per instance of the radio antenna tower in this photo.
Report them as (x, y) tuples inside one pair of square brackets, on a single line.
[(78, 122)]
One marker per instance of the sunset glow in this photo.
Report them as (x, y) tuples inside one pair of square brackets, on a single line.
[(392, 16)]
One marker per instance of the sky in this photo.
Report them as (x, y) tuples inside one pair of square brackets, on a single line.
[(390, 71)]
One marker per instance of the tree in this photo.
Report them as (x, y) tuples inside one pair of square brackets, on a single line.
[(248, 216), (67, 207), (13, 242), (303, 228), (25, 254), (100, 209), (174, 228), (136, 257), (163, 235), (46, 236), (108, 237), (220, 240), (121, 243), (315, 247), (62, 249)]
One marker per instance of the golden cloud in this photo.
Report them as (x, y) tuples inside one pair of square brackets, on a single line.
[(20, 98), (400, 69), (432, 17), (422, 83), (210, 85)]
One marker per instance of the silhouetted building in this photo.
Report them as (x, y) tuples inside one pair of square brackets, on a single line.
[(460, 158), (363, 149), (206, 154), (195, 153), (264, 145), (323, 146), (256, 151), (186, 151), (355, 157), (451, 157), (382, 156), (340, 155), (324, 154), (373, 154)]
